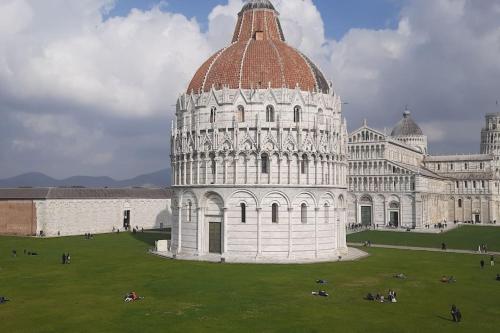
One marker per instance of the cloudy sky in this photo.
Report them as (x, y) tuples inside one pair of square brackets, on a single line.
[(87, 87)]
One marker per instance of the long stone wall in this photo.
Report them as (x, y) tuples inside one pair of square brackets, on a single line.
[(76, 217)]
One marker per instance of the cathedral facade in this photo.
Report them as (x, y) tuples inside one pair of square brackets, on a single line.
[(394, 182), (259, 152)]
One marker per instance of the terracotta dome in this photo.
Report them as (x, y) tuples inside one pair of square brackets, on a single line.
[(258, 57)]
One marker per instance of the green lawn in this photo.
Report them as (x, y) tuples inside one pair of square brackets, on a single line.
[(463, 238), (86, 296)]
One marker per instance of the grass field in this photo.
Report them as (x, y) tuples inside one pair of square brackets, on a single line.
[(462, 238), (86, 296)]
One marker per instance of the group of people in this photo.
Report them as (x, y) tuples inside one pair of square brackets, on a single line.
[(26, 252), (321, 293), (357, 226), (136, 230), (89, 236), (367, 244), (391, 297), (483, 248), (66, 258)]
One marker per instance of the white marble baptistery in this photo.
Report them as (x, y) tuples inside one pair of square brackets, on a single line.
[(259, 150)]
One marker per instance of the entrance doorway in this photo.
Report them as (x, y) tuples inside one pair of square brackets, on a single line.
[(214, 238), (477, 218), (394, 219), (126, 219), (366, 215)]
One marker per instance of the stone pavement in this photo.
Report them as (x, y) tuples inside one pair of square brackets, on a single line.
[(353, 254), (430, 249)]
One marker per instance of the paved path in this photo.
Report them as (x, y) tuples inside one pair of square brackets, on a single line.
[(430, 249)]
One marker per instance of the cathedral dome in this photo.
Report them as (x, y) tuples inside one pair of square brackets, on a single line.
[(406, 127), (258, 57)]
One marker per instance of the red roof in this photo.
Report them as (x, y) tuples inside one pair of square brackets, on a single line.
[(258, 57)]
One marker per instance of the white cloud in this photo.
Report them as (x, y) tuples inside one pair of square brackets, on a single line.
[(129, 66)]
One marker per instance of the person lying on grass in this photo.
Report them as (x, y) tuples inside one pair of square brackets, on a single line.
[(400, 276), (321, 293), (321, 281), (132, 297), (3, 299), (450, 279)]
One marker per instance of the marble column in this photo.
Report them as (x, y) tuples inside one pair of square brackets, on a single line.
[(199, 220), (179, 231), (225, 230), (316, 244), (290, 233), (259, 231)]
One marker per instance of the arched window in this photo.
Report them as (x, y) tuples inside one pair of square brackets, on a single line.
[(327, 213), (190, 211), (243, 212), (296, 114), (321, 117), (214, 165), (213, 112), (303, 213), (303, 165), (241, 114), (466, 166), (274, 213), (265, 163), (459, 203), (270, 114)]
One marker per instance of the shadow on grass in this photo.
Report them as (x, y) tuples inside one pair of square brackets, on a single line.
[(150, 237), (445, 318)]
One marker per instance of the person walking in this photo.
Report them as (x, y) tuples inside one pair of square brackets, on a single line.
[(68, 259), (63, 258), (482, 263), (492, 261)]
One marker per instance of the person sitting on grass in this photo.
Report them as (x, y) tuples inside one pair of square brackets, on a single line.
[(400, 276), (3, 299), (321, 293), (370, 297), (455, 314), (392, 296)]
